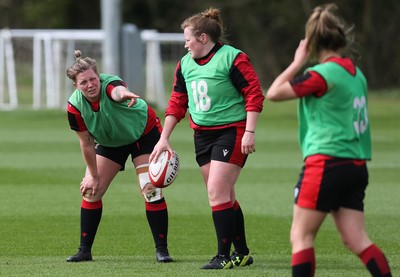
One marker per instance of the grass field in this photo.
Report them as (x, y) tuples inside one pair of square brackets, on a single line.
[(41, 168)]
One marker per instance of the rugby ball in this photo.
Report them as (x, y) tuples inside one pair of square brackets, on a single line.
[(163, 172)]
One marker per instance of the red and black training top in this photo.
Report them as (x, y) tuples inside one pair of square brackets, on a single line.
[(243, 77), (313, 83), (77, 123)]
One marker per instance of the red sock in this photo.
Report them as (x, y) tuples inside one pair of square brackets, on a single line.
[(303, 263), (375, 261)]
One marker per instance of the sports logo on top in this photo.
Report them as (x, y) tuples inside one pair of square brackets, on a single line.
[(163, 172)]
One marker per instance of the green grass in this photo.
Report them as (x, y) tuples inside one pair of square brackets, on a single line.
[(41, 167)]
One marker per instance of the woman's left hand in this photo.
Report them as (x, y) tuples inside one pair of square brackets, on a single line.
[(248, 143)]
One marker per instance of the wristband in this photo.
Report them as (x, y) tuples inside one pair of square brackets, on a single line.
[(250, 131)]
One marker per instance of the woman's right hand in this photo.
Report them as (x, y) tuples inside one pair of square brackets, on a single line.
[(89, 185), (302, 54), (161, 146)]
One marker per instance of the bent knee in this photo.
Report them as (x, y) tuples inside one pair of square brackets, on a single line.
[(89, 197), (92, 198), (356, 243), (301, 240)]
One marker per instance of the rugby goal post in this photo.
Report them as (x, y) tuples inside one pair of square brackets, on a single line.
[(7, 61), (155, 88), (52, 51)]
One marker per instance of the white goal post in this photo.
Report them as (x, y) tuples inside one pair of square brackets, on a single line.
[(7, 60), (52, 51), (51, 42), (155, 89)]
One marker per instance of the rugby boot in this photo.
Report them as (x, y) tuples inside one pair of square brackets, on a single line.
[(162, 255), (240, 259), (81, 256), (219, 262)]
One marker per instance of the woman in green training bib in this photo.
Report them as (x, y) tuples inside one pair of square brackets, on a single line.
[(112, 123), (219, 86), (334, 134)]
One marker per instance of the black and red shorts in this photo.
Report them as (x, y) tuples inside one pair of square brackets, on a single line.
[(328, 183), (144, 145), (222, 145)]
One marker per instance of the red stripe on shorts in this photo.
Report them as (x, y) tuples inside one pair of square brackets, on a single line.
[(237, 157), (311, 182)]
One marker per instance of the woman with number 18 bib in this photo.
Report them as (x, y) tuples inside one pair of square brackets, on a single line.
[(222, 91), (334, 134)]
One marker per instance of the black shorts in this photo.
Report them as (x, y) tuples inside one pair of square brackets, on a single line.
[(220, 145), (143, 145), (327, 183)]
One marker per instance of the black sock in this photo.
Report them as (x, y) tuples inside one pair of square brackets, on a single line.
[(157, 216), (224, 223), (239, 239), (90, 220)]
